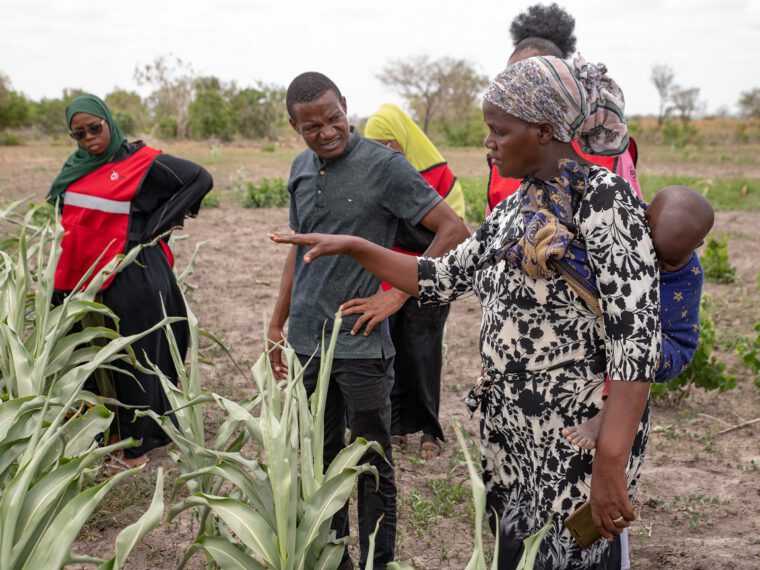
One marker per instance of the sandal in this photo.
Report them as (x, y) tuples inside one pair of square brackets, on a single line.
[(115, 464), (398, 442), (429, 447)]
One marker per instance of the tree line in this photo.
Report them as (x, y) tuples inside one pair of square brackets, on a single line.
[(442, 95), (182, 104)]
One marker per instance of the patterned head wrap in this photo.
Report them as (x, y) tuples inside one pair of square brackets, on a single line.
[(576, 98)]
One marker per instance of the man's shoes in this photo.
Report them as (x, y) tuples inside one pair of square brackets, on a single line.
[(429, 447), (399, 442)]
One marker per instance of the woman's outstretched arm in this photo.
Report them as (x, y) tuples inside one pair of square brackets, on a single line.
[(396, 268)]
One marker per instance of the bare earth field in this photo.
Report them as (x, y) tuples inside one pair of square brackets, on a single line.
[(699, 501)]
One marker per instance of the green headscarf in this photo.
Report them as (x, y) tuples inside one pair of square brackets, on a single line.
[(82, 161)]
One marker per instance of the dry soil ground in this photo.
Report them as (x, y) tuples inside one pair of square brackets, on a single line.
[(699, 501)]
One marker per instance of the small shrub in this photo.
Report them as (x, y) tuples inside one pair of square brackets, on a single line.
[(740, 133), (705, 371), (475, 189), (268, 193), (127, 123), (10, 139), (211, 200), (237, 181), (215, 153), (269, 147), (715, 262), (471, 132), (167, 128), (680, 134), (749, 354)]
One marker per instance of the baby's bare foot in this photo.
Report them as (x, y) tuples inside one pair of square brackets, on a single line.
[(585, 434)]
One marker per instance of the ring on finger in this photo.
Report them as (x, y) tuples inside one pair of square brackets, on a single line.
[(619, 519)]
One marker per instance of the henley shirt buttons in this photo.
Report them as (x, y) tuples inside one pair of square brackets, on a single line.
[(321, 172)]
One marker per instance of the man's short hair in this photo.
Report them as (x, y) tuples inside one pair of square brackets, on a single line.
[(308, 87)]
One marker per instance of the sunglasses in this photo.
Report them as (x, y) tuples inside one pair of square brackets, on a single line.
[(94, 130)]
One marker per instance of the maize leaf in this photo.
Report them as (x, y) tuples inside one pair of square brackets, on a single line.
[(227, 555), (135, 532)]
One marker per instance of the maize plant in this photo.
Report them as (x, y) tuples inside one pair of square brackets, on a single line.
[(477, 561), (272, 512), (49, 425)]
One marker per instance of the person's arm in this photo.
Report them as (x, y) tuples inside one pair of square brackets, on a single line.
[(396, 268), (435, 280), (623, 410), (622, 258), (280, 315), (449, 231), (173, 189)]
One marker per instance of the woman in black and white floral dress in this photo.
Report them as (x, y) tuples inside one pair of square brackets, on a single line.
[(546, 340)]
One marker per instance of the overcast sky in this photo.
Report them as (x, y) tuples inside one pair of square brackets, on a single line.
[(47, 45)]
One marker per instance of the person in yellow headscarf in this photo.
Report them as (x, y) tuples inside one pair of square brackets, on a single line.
[(393, 127), (417, 332)]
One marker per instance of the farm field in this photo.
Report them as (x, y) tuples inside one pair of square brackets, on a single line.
[(699, 499)]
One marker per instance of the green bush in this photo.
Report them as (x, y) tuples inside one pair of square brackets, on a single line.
[(475, 190), (749, 354), (127, 123), (10, 139), (14, 108), (715, 262), (167, 128), (705, 371), (471, 132), (237, 183), (260, 111), (680, 134), (49, 115), (129, 110), (211, 200), (268, 193), (210, 112)]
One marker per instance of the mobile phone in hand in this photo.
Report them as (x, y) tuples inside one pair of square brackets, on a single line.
[(581, 526)]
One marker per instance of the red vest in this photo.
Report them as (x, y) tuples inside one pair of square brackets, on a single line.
[(499, 188), (96, 213), (440, 177)]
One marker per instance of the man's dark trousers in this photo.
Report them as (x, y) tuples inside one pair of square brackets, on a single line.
[(359, 392)]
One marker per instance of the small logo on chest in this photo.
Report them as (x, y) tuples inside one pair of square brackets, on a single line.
[(115, 176)]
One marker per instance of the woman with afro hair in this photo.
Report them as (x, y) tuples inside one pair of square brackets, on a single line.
[(550, 31)]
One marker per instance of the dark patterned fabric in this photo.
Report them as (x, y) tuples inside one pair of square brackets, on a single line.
[(550, 243), (545, 355)]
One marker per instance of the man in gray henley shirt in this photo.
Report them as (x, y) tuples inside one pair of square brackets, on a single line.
[(346, 184)]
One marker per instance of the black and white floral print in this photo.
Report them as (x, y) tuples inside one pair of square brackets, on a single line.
[(545, 355)]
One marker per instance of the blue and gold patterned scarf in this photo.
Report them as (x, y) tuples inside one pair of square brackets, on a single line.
[(551, 243)]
